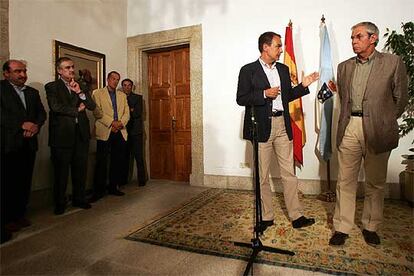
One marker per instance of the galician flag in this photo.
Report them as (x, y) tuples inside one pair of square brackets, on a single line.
[(324, 108), (295, 107)]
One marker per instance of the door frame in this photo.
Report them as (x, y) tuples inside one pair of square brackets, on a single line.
[(137, 70)]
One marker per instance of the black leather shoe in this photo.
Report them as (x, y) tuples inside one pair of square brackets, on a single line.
[(371, 237), (302, 222), (338, 238), (59, 210), (23, 222), (116, 193), (82, 205), (95, 198), (13, 227), (264, 224), (6, 235)]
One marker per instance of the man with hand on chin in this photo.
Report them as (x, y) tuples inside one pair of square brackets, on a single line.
[(265, 87), (69, 134)]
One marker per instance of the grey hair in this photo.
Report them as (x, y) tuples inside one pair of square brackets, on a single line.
[(371, 29)]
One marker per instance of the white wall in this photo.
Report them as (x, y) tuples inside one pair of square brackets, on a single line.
[(98, 25), (230, 32)]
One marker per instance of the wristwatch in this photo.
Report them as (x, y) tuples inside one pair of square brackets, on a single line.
[(82, 96)]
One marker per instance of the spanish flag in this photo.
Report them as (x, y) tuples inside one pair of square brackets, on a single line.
[(295, 107)]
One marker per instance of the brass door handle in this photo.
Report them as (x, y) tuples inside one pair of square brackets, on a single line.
[(174, 122)]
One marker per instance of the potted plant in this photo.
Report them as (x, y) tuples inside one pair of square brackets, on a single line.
[(403, 46)]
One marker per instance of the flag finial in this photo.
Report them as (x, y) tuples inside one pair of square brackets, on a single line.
[(323, 19), (290, 23)]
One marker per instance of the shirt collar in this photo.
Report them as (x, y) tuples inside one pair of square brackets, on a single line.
[(370, 57), (110, 91), (64, 81), (273, 66), (17, 87)]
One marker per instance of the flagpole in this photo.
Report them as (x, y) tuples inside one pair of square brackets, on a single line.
[(329, 195), (328, 174), (294, 162)]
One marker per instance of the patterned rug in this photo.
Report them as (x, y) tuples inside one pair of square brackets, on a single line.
[(211, 222)]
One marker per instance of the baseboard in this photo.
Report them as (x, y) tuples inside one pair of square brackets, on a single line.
[(306, 186), (44, 198)]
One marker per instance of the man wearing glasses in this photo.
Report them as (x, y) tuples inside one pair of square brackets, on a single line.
[(265, 90), (373, 91)]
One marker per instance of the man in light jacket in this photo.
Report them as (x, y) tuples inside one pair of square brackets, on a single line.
[(112, 115)]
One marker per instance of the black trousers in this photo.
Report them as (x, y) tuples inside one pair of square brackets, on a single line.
[(135, 149), (76, 159), (16, 182), (115, 147)]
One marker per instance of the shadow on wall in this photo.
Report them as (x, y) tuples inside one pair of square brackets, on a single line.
[(43, 170), (179, 11), (248, 157)]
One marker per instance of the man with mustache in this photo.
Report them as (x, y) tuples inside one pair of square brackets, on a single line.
[(22, 116), (372, 87)]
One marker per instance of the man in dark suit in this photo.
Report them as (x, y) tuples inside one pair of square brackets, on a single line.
[(22, 115), (265, 90), (135, 142), (373, 91), (69, 134)]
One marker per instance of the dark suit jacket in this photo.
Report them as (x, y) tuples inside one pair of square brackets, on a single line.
[(13, 114), (384, 100), (135, 125), (63, 112), (250, 93)]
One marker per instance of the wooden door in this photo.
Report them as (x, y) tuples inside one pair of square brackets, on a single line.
[(169, 114)]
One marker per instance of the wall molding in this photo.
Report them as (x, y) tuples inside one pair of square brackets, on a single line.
[(4, 31), (138, 47)]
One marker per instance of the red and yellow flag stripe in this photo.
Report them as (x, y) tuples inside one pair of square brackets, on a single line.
[(295, 107)]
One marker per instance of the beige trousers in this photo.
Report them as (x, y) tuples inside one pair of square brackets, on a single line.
[(352, 150), (283, 148)]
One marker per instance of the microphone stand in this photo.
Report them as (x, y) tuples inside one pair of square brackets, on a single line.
[(256, 243)]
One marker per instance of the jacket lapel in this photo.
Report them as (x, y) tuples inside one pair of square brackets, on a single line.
[(28, 99), (119, 104), (260, 75), (282, 76), (349, 73), (67, 94), (376, 69), (108, 100), (15, 97)]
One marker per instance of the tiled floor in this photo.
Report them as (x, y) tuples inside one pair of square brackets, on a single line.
[(91, 242)]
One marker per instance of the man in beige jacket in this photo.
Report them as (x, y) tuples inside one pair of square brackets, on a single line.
[(112, 115), (373, 90)]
